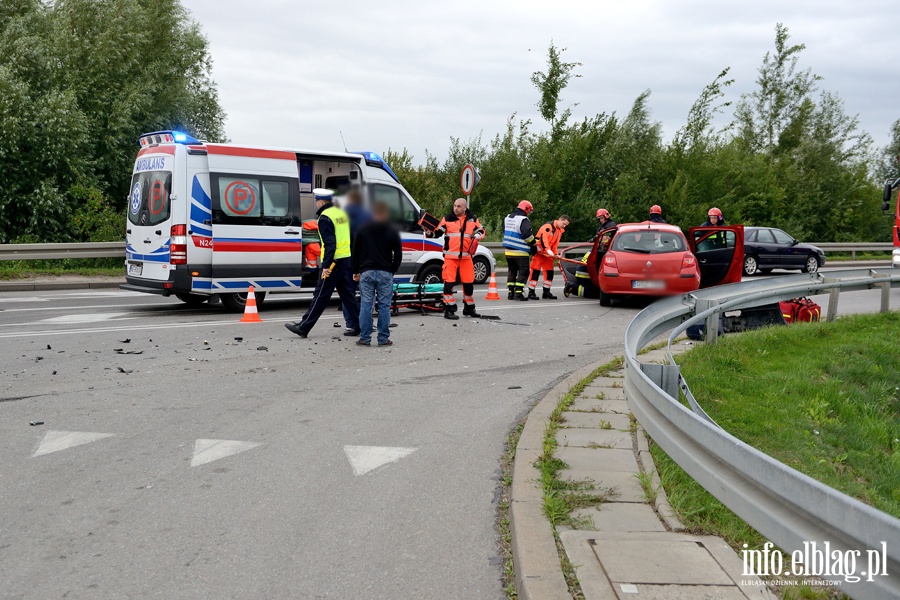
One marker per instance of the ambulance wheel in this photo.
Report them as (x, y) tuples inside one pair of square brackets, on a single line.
[(605, 299), (236, 302), (431, 274), (192, 300), (482, 269)]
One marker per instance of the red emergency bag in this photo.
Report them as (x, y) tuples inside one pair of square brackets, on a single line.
[(800, 310)]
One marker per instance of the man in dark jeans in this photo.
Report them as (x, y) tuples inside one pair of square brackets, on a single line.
[(377, 254)]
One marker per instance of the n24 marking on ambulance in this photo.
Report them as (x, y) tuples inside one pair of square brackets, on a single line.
[(153, 163), (201, 241)]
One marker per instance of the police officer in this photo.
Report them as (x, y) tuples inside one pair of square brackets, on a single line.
[(656, 214), (714, 218), (547, 238), (462, 232), (336, 270), (605, 221), (518, 243)]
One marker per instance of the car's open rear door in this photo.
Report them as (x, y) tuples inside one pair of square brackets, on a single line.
[(719, 252)]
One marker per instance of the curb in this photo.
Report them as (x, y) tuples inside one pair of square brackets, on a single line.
[(46, 286), (539, 575)]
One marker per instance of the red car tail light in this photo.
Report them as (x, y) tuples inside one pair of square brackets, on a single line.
[(609, 261), (689, 261), (178, 245)]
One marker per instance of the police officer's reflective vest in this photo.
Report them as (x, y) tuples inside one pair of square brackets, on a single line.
[(341, 232), (513, 242)]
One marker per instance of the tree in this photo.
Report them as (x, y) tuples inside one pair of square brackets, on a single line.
[(889, 167), (765, 114), (80, 80), (552, 83)]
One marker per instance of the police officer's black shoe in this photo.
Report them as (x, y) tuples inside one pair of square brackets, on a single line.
[(547, 295), (295, 328), (469, 311), (521, 297), (450, 312), (532, 295)]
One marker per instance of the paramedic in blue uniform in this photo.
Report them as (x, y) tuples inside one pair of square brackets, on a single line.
[(336, 269)]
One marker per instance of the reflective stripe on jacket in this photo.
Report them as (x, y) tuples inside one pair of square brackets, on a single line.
[(517, 236), (310, 232), (548, 237), (341, 233), (460, 233)]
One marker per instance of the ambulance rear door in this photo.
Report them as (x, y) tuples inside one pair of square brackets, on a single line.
[(256, 225), (151, 216)]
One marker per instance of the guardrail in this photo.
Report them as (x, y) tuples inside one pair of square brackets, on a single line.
[(117, 249), (784, 505)]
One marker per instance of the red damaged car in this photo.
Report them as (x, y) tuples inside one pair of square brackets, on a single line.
[(655, 259)]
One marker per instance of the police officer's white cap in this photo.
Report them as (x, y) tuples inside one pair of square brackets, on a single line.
[(323, 194)]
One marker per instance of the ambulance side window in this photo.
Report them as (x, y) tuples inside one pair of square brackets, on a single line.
[(402, 210), (253, 200)]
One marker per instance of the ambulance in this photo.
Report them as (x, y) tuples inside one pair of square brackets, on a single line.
[(209, 220)]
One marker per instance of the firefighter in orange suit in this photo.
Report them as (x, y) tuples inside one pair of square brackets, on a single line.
[(462, 232), (547, 238)]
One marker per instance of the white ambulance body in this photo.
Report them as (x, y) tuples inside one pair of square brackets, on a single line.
[(210, 220)]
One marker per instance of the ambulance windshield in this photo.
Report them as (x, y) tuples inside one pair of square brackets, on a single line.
[(148, 198)]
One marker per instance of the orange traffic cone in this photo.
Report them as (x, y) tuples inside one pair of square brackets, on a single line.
[(250, 313), (492, 288)]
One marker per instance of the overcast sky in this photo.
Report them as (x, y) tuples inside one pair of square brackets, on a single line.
[(413, 73)]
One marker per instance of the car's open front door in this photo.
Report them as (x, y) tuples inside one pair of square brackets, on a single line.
[(719, 252), (601, 245)]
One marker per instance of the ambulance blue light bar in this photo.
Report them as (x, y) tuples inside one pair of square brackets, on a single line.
[(374, 159), (166, 137)]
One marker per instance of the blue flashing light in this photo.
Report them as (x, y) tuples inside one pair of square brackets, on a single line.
[(166, 137), (373, 158)]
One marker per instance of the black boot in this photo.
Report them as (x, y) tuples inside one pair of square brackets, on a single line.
[(532, 295), (450, 312), (547, 295), (567, 291), (511, 295), (469, 311), (521, 297)]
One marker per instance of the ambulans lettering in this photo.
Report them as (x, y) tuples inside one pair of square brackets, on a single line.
[(156, 163)]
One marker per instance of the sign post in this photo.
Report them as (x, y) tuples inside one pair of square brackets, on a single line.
[(468, 179)]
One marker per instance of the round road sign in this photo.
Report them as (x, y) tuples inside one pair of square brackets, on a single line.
[(468, 179)]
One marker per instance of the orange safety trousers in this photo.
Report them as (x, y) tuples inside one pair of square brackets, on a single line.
[(541, 264), (455, 266)]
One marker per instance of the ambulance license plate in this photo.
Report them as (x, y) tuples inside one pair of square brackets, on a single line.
[(135, 269), (648, 284)]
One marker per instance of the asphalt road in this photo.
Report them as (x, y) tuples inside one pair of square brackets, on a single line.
[(206, 467)]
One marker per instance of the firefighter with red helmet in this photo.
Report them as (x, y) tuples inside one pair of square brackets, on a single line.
[(518, 245), (547, 238), (605, 221), (656, 214), (714, 218), (462, 231)]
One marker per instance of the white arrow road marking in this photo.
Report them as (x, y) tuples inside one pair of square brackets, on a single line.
[(83, 318), (206, 451), (54, 441), (368, 458)]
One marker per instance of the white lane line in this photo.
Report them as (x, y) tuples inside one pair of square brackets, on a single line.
[(54, 441), (25, 299), (368, 458), (178, 307), (206, 451), (82, 318)]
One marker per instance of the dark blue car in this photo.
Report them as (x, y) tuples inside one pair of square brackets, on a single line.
[(767, 248)]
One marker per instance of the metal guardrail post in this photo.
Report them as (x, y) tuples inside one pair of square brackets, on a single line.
[(668, 377), (833, 297), (711, 329)]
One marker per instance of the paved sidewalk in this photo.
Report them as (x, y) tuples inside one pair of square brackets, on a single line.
[(632, 546)]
